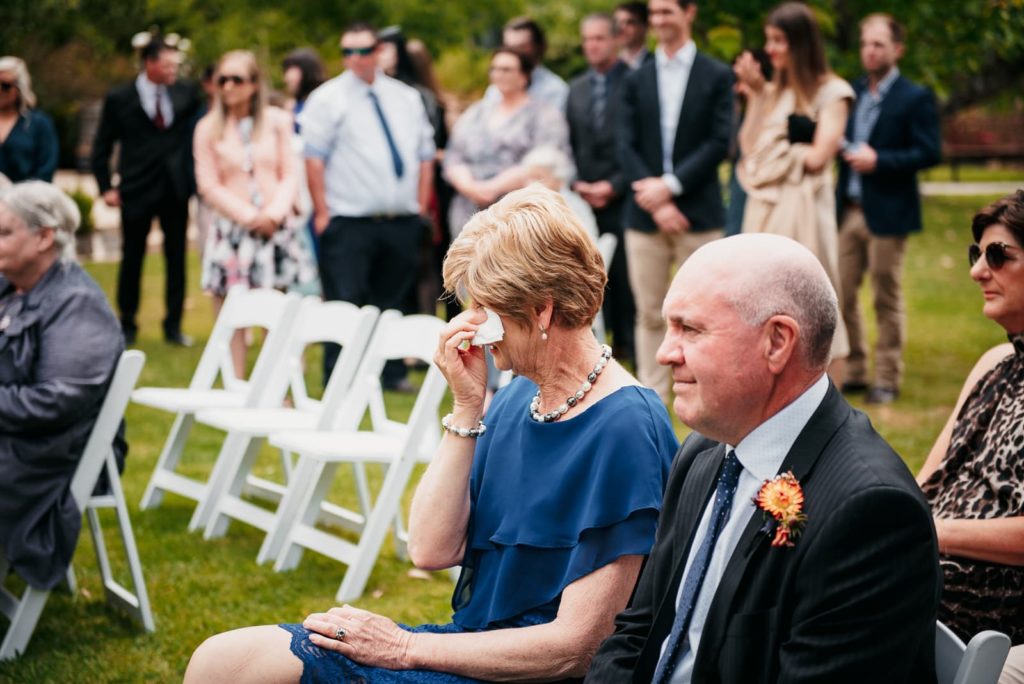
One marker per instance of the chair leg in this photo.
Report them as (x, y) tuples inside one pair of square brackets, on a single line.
[(168, 460), (362, 488), (137, 604), (23, 623), (321, 478), (226, 464), (70, 583), (377, 523), (287, 511), (229, 482)]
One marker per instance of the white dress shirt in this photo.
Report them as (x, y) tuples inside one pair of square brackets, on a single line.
[(761, 454), (545, 86), (673, 77), (340, 126), (148, 95)]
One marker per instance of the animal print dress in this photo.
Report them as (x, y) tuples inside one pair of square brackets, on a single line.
[(982, 477)]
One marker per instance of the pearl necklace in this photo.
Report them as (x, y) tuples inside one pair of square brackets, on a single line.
[(551, 416)]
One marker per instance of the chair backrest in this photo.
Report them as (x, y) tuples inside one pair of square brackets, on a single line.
[(395, 337), (101, 439), (245, 308), (979, 662), (342, 323)]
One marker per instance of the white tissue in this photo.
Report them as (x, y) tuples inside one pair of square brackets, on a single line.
[(490, 331)]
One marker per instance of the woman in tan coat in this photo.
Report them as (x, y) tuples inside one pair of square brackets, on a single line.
[(792, 132)]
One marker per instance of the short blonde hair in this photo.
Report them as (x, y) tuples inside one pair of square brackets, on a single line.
[(523, 251)]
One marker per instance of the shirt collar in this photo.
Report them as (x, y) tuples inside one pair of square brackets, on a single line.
[(763, 450), (145, 85), (683, 57), (886, 83)]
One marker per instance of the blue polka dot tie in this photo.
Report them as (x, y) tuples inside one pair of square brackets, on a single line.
[(396, 158), (728, 477)]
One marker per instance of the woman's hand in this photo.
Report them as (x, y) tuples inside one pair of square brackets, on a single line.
[(465, 369), (369, 639), (749, 77), (263, 225)]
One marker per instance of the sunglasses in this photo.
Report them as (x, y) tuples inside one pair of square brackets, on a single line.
[(237, 80), (362, 52), (995, 254), (7, 86)]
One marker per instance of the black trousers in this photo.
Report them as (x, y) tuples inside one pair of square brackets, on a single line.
[(135, 224), (367, 260), (619, 308)]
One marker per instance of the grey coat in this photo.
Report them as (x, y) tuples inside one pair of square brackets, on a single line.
[(59, 344)]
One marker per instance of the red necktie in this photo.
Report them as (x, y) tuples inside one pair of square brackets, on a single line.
[(158, 119)]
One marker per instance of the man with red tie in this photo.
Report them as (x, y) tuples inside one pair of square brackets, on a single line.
[(152, 119)]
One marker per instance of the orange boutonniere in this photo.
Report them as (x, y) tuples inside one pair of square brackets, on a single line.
[(783, 499)]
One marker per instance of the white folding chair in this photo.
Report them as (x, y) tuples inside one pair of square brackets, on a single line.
[(979, 662), (98, 455), (398, 447), (243, 308), (342, 323)]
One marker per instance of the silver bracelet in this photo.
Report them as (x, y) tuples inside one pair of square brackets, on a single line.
[(477, 431)]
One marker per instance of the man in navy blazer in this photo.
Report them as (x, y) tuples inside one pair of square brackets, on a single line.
[(674, 126), (845, 587), (892, 134)]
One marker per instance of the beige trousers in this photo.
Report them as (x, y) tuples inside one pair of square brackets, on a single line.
[(652, 259), (1013, 670), (881, 258)]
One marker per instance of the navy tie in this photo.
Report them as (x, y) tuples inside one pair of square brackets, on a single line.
[(395, 157), (724, 493)]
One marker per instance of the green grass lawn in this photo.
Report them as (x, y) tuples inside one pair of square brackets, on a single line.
[(198, 588)]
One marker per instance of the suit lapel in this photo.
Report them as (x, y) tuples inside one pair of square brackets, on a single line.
[(800, 460), (693, 497), (888, 102), (652, 112), (691, 100)]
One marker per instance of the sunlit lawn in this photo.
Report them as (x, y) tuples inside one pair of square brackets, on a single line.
[(199, 587)]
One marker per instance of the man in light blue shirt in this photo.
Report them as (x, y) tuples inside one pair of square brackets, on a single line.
[(369, 150)]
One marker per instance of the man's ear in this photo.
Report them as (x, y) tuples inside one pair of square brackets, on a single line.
[(783, 338)]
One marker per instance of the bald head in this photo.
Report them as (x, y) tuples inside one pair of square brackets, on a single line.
[(763, 275)]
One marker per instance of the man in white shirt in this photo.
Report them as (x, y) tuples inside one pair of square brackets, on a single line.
[(674, 128), (369, 151), (525, 35), (793, 544)]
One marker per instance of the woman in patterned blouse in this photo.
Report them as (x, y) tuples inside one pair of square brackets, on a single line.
[(974, 475)]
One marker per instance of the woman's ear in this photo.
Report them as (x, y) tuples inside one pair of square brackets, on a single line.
[(545, 313), (47, 239)]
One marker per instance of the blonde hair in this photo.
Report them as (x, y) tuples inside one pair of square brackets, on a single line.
[(523, 251), (23, 82), (219, 112)]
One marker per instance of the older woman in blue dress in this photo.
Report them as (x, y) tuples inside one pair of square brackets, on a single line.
[(548, 502), (59, 343)]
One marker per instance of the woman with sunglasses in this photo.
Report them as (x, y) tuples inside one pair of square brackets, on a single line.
[(248, 173), (28, 140), (974, 475)]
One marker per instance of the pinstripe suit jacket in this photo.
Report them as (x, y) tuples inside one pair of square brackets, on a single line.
[(853, 601)]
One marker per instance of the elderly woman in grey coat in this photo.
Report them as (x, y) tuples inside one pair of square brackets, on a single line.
[(59, 343)]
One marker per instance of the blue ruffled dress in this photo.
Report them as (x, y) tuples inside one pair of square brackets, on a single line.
[(550, 503)]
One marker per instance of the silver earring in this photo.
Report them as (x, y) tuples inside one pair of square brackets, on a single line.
[(543, 333)]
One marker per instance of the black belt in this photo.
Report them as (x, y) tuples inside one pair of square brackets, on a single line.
[(378, 218)]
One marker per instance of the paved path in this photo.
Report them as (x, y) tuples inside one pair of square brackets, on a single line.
[(939, 189)]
